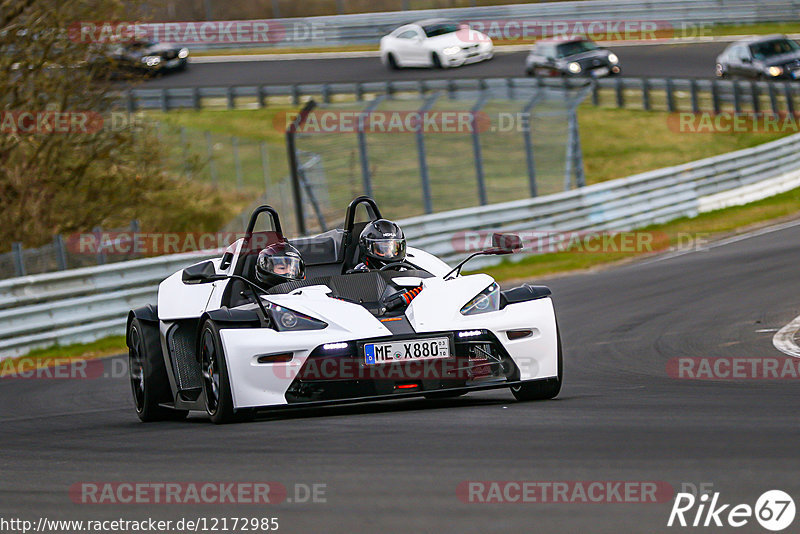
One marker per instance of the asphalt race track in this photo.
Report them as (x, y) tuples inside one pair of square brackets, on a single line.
[(676, 61), (395, 466)]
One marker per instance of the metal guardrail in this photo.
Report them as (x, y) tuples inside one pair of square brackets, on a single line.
[(669, 94), (88, 303), (337, 30)]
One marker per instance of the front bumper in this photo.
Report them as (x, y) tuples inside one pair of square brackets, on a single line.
[(339, 376)]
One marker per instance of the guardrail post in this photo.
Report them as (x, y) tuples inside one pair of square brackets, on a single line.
[(754, 95), (262, 96), (185, 150), (737, 98), (131, 101), (359, 91), (212, 164), (620, 89), (670, 96), (715, 95), (196, 98), (295, 94), (326, 93), (695, 100), (646, 94), (237, 162), (451, 89), (389, 90), (164, 100), (19, 262), (61, 254), (422, 88), (231, 97), (773, 99), (595, 93), (787, 93), (423, 163), (510, 88), (476, 150)]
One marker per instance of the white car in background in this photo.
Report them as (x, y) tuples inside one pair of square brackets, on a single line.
[(435, 43)]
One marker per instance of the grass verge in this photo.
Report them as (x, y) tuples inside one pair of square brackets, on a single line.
[(62, 354)]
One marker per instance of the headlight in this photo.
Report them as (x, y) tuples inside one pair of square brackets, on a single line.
[(612, 58), (183, 52), (450, 50), (151, 61), (574, 68), (775, 71), (486, 301), (285, 319)]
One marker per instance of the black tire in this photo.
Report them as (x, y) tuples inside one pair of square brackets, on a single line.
[(149, 382), (436, 61), (216, 382), (393, 65), (545, 389)]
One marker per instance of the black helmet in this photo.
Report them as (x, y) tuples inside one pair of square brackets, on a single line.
[(382, 242), (278, 263)]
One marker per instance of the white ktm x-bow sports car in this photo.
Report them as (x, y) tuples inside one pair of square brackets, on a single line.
[(221, 342), (435, 43)]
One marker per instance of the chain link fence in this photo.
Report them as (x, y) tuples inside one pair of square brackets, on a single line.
[(448, 150)]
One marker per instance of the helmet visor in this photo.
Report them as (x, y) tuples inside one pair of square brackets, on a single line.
[(387, 249), (290, 267)]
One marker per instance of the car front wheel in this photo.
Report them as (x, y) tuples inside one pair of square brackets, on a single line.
[(545, 389), (216, 382)]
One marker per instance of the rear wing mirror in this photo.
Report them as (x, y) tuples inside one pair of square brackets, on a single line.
[(505, 244)]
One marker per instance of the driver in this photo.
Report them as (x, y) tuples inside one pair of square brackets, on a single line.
[(381, 242), (279, 263)]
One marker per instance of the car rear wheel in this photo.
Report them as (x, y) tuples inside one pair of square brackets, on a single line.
[(148, 375), (542, 389), (216, 382), (392, 62), (436, 61)]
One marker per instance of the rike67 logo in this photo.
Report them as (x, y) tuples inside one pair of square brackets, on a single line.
[(774, 510)]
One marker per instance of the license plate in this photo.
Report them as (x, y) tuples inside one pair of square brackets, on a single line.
[(405, 351), (600, 72)]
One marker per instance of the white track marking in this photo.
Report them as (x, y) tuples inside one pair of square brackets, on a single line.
[(784, 339)]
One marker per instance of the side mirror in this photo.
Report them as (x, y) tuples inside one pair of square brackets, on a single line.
[(506, 243), (202, 273), (746, 60), (550, 59)]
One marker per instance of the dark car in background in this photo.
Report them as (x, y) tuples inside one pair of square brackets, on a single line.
[(148, 57), (773, 57), (571, 57)]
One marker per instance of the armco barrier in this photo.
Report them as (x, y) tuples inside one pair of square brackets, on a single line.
[(84, 304)]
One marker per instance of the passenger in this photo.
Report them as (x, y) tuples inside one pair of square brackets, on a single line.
[(279, 263)]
